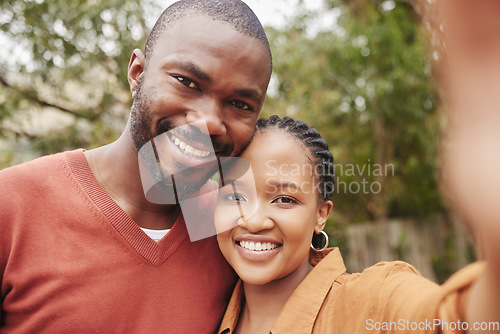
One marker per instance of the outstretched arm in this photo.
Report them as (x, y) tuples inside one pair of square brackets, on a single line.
[(472, 142)]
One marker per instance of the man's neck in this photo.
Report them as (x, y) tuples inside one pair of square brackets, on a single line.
[(116, 168)]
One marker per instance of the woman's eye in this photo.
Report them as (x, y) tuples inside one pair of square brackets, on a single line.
[(187, 82), (241, 105), (285, 200), (236, 197)]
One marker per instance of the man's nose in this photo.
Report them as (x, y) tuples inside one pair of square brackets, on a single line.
[(209, 110)]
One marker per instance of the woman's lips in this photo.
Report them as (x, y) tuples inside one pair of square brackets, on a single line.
[(257, 248)]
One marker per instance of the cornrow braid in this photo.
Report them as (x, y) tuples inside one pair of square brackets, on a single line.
[(318, 148)]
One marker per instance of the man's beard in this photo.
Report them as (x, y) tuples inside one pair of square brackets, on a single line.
[(178, 186), (141, 118)]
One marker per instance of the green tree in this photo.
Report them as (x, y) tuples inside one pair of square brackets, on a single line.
[(366, 84), (66, 60)]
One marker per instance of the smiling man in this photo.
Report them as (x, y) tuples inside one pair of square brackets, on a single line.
[(81, 247)]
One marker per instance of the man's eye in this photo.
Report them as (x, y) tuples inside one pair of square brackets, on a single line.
[(187, 82), (241, 105), (285, 200), (235, 197)]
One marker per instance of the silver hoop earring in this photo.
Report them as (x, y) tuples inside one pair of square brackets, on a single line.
[(324, 246)]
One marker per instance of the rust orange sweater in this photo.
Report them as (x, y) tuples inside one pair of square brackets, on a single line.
[(72, 261)]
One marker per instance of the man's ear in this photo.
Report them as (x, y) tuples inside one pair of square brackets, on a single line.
[(324, 210), (135, 70)]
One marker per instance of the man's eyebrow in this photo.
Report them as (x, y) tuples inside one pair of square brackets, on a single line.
[(193, 69), (190, 67), (251, 94)]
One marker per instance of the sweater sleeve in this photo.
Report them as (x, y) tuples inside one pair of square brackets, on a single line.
[(22, 187), (10, 199)]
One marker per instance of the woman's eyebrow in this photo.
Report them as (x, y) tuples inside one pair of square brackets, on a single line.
[(236, 182), (285, 184)]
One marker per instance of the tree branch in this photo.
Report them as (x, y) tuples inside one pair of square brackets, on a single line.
[(20, 133), (35, 99)]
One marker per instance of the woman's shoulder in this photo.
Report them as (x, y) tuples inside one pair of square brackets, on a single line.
[(385, 269), (400, 272), (387, 277), (332, 257)]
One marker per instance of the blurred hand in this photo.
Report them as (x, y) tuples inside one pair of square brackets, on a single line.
[(471, 152), (472, 175), (472, 148)]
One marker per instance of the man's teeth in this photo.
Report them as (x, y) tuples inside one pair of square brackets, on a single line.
[(258, 246), (188, 149)]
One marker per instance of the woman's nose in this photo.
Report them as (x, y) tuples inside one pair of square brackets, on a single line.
[(256, 220)]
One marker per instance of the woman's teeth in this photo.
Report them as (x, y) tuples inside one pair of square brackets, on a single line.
[(188, 149), (258, 246)]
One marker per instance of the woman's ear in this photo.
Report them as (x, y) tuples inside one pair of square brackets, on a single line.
[(324, 210), (135, 70)]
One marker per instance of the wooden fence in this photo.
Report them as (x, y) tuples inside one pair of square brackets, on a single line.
[(436, 247)]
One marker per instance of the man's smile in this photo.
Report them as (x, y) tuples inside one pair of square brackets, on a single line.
[(188, 149)]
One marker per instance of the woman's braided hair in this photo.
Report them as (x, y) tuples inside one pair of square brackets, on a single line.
[(318, 148)]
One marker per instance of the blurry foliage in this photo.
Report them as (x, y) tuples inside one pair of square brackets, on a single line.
[(69, 58), (366, 85)]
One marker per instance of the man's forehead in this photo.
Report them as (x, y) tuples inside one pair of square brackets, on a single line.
[(203, 28), (199, 25), (195, 44)]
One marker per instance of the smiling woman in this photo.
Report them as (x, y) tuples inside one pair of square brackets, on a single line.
[(268, 219), (268, 242)]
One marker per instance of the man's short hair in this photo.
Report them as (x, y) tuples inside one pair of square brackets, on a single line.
[(235, 12)]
